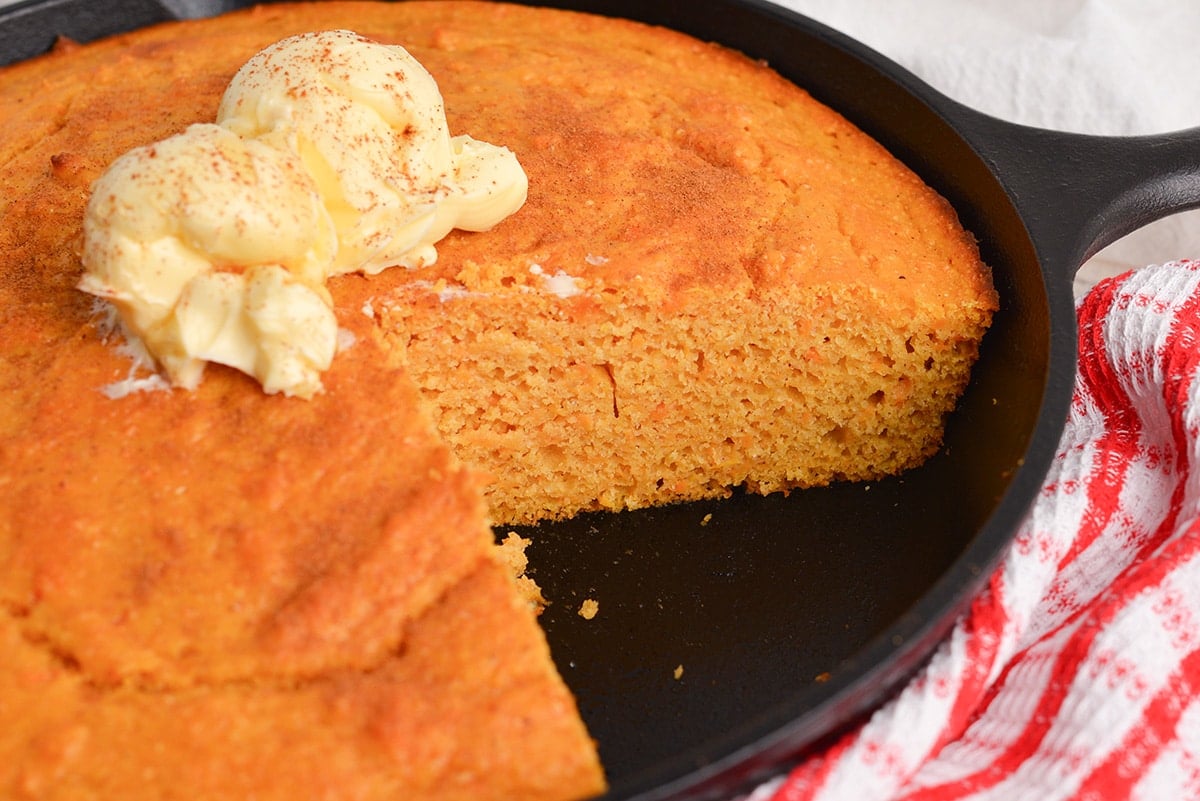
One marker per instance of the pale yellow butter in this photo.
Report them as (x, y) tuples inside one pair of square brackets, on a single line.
[(368, 123), (178, 238), (331, 154)]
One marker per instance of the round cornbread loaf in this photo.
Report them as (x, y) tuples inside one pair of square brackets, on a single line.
[(715, 282)]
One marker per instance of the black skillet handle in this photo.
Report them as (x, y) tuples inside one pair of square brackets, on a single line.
[(1078, 193)]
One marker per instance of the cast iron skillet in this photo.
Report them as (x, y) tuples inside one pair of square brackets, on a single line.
[(792, 617)]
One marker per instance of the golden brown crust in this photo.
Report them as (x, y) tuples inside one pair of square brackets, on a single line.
[(448, 717), (290, 527), (748, 292), (224, 583)]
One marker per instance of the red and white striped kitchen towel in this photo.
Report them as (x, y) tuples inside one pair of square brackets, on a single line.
[(1076, 672)]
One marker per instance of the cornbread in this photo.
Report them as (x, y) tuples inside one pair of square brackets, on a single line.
[(714, 282), (232, 594)]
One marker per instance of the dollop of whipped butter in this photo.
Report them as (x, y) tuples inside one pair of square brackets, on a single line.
[(330, 154)]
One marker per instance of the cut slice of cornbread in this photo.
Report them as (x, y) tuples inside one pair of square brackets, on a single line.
[(715, 282)]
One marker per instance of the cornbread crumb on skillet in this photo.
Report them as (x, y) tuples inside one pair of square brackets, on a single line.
[(715, 282)]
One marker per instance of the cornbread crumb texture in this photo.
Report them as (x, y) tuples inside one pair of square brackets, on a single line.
[(511, 551)]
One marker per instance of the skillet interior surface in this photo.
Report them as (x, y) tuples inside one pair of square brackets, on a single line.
[(788, 617)]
